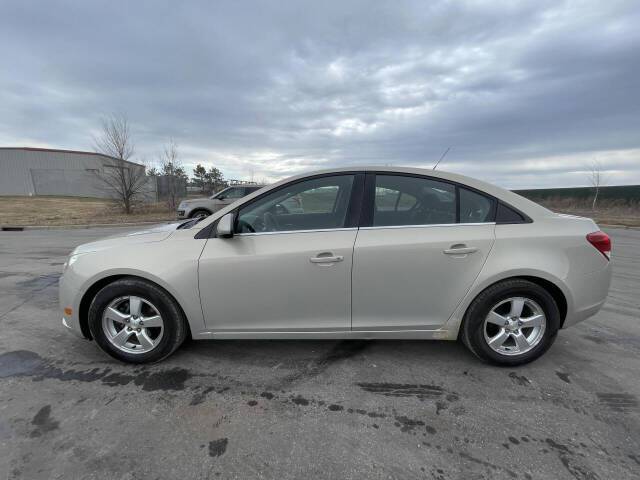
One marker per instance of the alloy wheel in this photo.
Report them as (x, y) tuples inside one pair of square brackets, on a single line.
[(514, 326), (132, 324)]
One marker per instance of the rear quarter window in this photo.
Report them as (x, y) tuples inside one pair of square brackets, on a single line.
[(506, 215)]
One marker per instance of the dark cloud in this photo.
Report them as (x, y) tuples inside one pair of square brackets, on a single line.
[(526, 94)]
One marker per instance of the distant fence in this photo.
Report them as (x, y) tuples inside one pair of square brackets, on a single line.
[(165, 184), (83, 183), (627, 193)]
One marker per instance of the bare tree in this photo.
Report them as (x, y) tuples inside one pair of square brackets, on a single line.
[(597, 179), (123, 180), (171, 167)]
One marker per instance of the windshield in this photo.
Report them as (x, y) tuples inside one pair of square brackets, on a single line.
[(216, 195)]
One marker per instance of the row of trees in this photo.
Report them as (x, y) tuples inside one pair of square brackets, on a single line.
[(208, 181), (127, 184)]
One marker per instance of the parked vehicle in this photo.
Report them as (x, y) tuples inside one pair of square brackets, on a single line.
[(203, 207), (368, 253)]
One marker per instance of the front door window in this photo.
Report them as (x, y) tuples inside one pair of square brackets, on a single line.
[(316, 204)]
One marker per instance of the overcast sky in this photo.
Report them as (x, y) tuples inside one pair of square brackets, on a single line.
[(526, 94)]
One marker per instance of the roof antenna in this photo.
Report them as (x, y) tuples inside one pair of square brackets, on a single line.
[(443, 155)]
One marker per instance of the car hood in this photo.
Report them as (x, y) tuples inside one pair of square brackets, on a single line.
[(154, 234), (194, 201)]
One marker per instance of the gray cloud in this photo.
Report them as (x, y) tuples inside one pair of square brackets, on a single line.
[(526, 94)]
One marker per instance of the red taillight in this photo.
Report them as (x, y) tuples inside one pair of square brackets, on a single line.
[(602, 242)]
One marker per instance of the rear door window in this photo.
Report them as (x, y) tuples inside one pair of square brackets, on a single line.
[(475, 207), (407, 200)]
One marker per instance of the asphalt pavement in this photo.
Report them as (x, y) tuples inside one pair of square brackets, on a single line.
[(310, 409)]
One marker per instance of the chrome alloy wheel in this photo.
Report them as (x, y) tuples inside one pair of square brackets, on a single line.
[(132, 324), (514, 326)]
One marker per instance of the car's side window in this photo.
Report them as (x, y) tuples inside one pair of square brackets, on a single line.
[(474, 207), (393, 200), (314, 204), (406, 200), (236, 192), (507, 215)]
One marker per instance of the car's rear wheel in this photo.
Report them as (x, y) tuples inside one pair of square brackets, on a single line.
[(200, 214), (511, 323), (136, 321)]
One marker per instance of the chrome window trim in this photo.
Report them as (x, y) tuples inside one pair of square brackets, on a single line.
[(253, 234), (428, 225)]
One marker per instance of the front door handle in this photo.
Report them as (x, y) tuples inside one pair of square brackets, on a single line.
[(326, 257), (459, 250)]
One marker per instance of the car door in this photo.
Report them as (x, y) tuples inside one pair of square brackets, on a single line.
[(421, 245), (283, 270)]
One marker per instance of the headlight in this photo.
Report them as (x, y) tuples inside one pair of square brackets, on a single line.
[(71, 260)]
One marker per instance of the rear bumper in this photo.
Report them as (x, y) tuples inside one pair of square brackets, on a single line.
[(589, 295)]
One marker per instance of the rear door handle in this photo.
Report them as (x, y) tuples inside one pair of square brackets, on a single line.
[(459, 250), (326, 258)]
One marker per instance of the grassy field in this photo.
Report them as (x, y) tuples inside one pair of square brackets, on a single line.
[(50, 210), (607, 211), (628, 193)]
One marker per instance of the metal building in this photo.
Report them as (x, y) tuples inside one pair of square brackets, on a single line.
[(43, 171)]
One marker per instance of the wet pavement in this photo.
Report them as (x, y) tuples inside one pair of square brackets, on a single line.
[(312, 409)]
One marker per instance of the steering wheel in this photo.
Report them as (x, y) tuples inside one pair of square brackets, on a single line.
[(251, 226), (270, 223)]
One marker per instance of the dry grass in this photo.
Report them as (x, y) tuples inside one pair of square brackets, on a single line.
[(52, 210), (612, 212)]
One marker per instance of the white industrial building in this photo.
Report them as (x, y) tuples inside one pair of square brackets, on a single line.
[(44, 171)]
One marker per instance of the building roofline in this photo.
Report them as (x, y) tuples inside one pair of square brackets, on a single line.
[(34, 149)]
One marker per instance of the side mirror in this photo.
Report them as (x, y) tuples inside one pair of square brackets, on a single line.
[(224, 229), (221, 197)]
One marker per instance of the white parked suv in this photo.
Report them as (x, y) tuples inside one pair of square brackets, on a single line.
[(356, 253), (203, 207)]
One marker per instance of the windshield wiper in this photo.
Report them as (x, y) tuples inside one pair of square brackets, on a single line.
[(190, 223)]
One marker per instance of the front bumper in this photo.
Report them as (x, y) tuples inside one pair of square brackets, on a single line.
[(69, 286), (182, 214), (69, 323)]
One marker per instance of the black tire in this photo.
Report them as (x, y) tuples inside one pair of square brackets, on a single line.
[(174, 324), (200, 213), (473, 333)]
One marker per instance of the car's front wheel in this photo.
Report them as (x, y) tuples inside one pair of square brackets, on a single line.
[(511, 323), (136, 321), (200, 213)]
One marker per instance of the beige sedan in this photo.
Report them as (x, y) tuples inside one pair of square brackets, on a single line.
[(360, 253)]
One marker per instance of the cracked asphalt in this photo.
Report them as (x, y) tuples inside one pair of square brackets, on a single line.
[(310, 409)]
